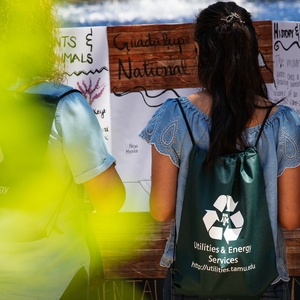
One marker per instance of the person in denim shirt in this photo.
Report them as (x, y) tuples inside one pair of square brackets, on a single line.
[(225, 117), (45, 239)]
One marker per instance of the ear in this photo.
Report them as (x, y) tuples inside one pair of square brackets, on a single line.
[(197, 49)]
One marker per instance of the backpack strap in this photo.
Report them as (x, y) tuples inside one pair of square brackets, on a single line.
[(186, 121), (264, 123), (260, 131), (265, 120), (68, 93), (39, 80), (18, 104)]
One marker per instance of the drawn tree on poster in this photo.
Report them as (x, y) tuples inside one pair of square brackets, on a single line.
[(89, 90)]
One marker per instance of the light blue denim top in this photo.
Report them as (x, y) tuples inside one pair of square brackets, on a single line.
[(278, 149), (79, 153), (77, 128)]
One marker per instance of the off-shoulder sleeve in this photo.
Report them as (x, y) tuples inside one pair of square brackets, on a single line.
[(164, 130), (83, 142), (288, 151)]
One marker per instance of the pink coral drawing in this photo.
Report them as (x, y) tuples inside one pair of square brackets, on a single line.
[(89, 90)]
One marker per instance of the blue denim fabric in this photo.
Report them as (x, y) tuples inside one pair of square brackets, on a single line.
[(79, 152), (92, 155), (278, 149)]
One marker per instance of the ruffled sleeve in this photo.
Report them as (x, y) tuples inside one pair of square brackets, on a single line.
[(288, 151), (164, 130)]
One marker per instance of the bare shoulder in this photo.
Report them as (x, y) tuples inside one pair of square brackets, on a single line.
[(202, 100), (260, 112)]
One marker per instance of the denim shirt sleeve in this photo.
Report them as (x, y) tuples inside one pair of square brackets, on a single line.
[(77, 130), (288, 151), (83, 142), (167, 131), (163, 131)]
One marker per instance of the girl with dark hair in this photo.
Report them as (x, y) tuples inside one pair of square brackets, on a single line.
[(225, 118)]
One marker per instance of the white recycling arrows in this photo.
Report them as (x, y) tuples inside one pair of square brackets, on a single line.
[(237, 219), (231, 234), (224, 201), (210, 218), (226, 205)]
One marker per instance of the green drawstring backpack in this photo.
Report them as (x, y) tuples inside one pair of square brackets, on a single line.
[(225, 246), (25, 125)]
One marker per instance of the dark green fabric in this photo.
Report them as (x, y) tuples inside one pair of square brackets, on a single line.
[(225, 251), (25, 124)]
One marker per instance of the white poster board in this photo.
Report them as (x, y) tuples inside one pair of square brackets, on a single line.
[(122, 117), (85, 54), (130, 114), (286, 56)]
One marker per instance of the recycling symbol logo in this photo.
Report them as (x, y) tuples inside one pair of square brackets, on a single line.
[(229, 225)]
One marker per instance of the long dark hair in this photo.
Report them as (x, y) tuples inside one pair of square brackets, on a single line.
[(228, 68)]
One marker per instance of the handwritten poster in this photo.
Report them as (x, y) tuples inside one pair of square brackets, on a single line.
[(130, 114), (84, 51), (148, 64), (286, 56), (127, 72), (152, 57)]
